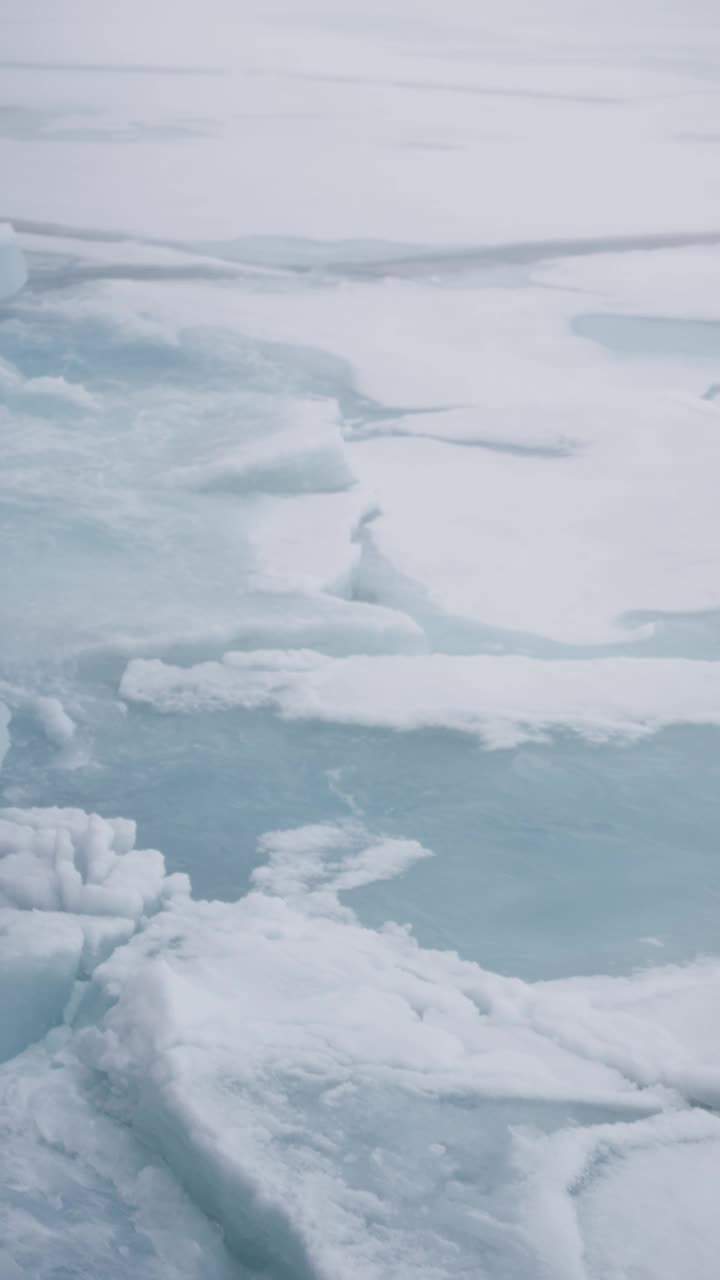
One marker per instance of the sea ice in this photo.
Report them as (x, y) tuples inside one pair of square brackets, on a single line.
[(81, 1194), (306, 457), (564, 547), (13, 272), (371, 342), (4, 731), (504, 700), (72, 887), (270, 1097)]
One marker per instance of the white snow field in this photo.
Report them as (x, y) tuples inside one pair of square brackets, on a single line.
[(360, 644)]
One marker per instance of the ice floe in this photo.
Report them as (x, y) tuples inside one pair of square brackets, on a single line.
[(372, 344), (261, 1046), (504, 700)]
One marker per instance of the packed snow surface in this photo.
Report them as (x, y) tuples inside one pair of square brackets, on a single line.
[(360, 657)]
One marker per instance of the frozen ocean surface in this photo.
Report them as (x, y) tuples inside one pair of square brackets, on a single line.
[(360, 647)]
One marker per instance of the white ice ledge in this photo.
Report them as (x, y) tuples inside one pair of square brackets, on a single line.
[(503, 700)]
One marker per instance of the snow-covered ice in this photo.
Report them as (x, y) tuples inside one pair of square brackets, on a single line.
[(504, 700), (286, 1061), (13, 273), (71, 888), (360, 547)]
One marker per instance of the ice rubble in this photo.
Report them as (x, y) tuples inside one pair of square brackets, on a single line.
[(259, 1046), (505, 700), (47, 711), (13, 272), (67, 860), (72, 886)]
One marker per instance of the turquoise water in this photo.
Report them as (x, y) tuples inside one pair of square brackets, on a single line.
[(660, 336), (550, 860)]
